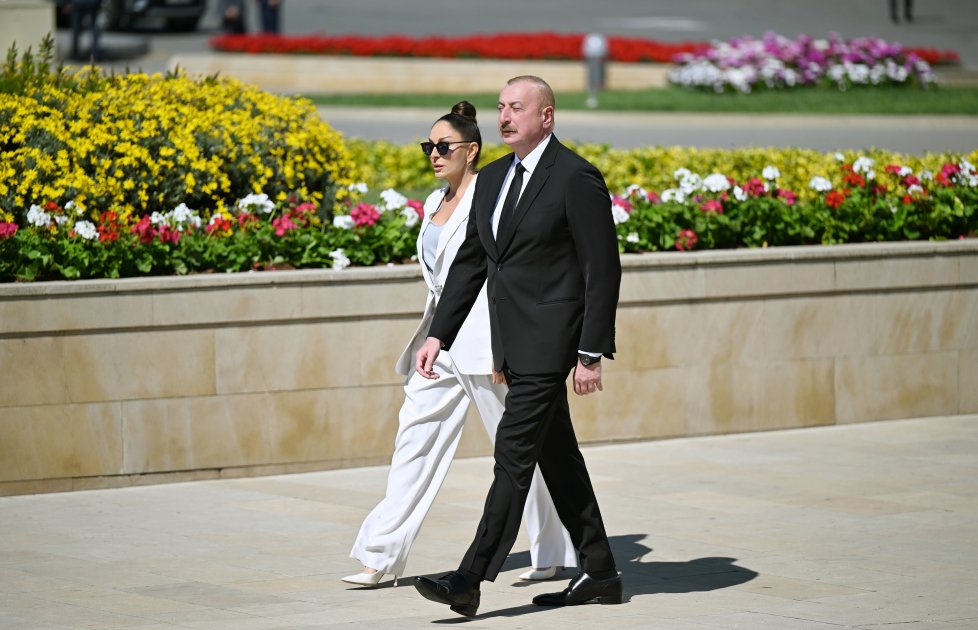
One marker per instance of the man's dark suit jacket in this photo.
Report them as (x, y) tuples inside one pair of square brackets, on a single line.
[(553, 273)]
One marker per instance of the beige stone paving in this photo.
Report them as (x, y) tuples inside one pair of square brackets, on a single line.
[(860, 526)]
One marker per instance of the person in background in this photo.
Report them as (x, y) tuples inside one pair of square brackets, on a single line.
[(80, 11), (269, 11), (232, 16), (433, 414), (907, 11)]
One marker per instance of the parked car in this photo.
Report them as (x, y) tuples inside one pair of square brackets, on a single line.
[(178, 15)]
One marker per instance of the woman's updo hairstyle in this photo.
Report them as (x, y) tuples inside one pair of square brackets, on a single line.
[(462, 119)]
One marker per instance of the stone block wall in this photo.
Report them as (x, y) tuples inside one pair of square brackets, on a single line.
[(117, 382)]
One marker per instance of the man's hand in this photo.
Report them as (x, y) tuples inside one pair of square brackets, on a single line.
[(424, 361), (587, 378)]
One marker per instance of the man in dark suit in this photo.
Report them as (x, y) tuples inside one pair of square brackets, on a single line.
[(541, 236)]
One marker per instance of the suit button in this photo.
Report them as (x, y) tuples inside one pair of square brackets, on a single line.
[(499, 267), (493, 300)]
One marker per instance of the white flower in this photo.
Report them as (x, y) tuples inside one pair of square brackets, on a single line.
[(914, 189), (632, 237), (771, 173), (681, 173), (393, 200), (715, 182), (820, 184), (966, 166), (71, 204), (863, 165), (674, 194), (38, 217), (156, 218), (410, 216), (60, 219), (635, 189), (359, 187), (904, 171), (691, 183), (739, 193), (343, 222), (839, 157), (182, 214), (926, 175), (259, 202), (340, 261), (86, 230), (619, 214)]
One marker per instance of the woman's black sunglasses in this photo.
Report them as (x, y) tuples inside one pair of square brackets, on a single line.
[(428, 147)]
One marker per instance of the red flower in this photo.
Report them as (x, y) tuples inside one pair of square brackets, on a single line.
[(879, 190), (834, 199), (221, 225), (854, 179), (686, 240), (654, 198), (7, 230), (893, 168), (145, 230), (245, 219), (364, 214), (712, 205), (911, 180)]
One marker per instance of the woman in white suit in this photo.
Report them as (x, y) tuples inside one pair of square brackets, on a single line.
[(433, 414)]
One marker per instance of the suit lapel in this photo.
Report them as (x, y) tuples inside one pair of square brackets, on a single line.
[(491, 182), (453, 224), (533, 187)]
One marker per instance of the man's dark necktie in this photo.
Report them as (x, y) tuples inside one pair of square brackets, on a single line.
[(512, 196)]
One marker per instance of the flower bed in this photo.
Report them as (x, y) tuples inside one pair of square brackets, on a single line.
[(776, 62), (553, 46), (859, 200)]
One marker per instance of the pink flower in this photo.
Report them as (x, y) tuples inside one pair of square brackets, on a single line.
[(755, 187), (621, 202), (282, 225), (364, 214), (712, 205), (686, 240), (145, 230), (788, 196), (7, 229), (654, 198)]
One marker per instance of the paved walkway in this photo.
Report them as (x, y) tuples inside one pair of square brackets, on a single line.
[(862, 526)]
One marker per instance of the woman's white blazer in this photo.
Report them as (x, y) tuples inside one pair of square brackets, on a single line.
[(472, 349)]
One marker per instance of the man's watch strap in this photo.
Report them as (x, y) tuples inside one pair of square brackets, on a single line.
[(588, 359)]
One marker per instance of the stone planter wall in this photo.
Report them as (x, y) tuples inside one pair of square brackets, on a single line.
[(113, 383)]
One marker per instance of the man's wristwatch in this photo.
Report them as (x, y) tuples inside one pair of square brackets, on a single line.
[(587, 359)]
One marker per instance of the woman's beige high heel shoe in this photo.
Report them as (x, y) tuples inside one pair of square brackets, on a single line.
[(539, 574), (365, 579)]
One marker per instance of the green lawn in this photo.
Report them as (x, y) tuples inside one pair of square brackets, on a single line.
[(880, 100)]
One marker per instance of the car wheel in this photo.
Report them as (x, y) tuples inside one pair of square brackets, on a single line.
[(182, 25)]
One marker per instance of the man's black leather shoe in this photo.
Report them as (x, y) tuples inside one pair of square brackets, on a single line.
[(452, 589), (584, 589)]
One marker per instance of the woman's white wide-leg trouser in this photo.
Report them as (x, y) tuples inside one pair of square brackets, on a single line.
[(429, 428)]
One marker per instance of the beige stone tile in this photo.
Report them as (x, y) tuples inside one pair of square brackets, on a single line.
[(145, 364), (968, 381), (619, 413), (929, 322), (896, 386), (819, 327), (58, 441), (769, 279), (968, 269), (177, 434), (734, 397), (659, 336), (400, 296), (13, 488), (336, 425), (33, 371), (231, 303), (379, 344), (287, 356), (58, 312), (642, 285), (889, 273), (732, 332)]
